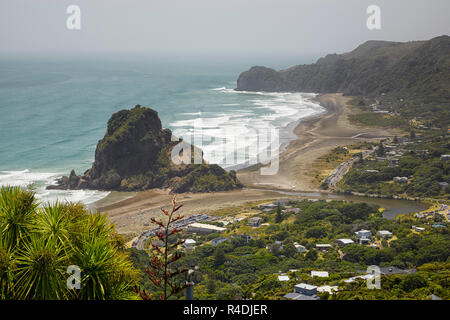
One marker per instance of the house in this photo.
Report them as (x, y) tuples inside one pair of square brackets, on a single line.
[(443, 185), (292, 210), (437, 225), (384, 234), (306, 289), (299, 296), (254, 221), (401, 179), (189, 244), (278, 245), (204, 228), (217, 241), (418, 229), (269, 206), (364, 241), (344, 242), (363, 234), (283, 278), (445, 157), (329, 289), (320, 274), (323, 246), (299, 248)]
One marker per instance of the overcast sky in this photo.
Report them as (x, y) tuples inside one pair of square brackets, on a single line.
[(214, 27)]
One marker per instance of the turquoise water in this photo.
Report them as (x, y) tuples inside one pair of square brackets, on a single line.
[(54, 111)]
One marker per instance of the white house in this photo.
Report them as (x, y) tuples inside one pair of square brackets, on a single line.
[(299, 248), (283, 278), (329, 289), (254, 221), (204, 228), (320, 274), (384, 234), (344, 242), (189, 244), (418, 229), (364, 234), (323, 246)]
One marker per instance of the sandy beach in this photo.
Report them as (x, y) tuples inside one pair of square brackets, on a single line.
[(316, 136)]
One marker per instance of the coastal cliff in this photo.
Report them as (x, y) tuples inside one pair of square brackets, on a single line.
[(375, 67), (135, 155)]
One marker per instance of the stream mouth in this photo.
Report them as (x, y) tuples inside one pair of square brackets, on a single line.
[(393, 207)]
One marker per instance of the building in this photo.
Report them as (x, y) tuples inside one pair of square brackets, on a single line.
[(364, 241), (269, 206), (278, 245), (384, 234), (299, 248), (299, 296), (401, 179), (306, 289), (189, 244), (204, 228), (292, 210), (363, 234), (445, 157), (323, 246), (418, 229), (217, 241), (283, 278), (320, 274), (344, 242), (254, 221), (329, 289)]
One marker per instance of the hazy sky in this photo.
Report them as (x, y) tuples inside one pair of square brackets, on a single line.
[(214, 27)]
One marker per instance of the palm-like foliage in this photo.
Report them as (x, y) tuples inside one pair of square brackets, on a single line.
[(41, 269), (37, 244), (17, 207)]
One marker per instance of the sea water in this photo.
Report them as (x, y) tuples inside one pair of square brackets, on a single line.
[(53, 111)]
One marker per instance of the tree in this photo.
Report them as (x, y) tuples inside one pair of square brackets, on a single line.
[(381, 152), (37, 244), (278, 217), (219, 257), (160, 271), (412, 134)]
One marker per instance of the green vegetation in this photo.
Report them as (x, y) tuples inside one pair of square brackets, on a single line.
[(38, 244), (237, 269), (419, 161)]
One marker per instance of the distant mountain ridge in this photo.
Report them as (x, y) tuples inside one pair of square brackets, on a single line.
[(374, 67)]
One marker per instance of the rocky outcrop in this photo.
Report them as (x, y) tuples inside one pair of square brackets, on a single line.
[(409, 69), (135, 154)]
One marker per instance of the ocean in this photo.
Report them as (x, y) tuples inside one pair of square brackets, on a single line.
[(53, 111)]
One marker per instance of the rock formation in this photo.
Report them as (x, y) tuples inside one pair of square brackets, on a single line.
[(135, 154)]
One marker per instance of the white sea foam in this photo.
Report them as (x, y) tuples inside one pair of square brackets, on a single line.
[(41, 180), (233, 131)]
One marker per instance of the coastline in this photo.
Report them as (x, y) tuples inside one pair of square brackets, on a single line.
[(316, 135)]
